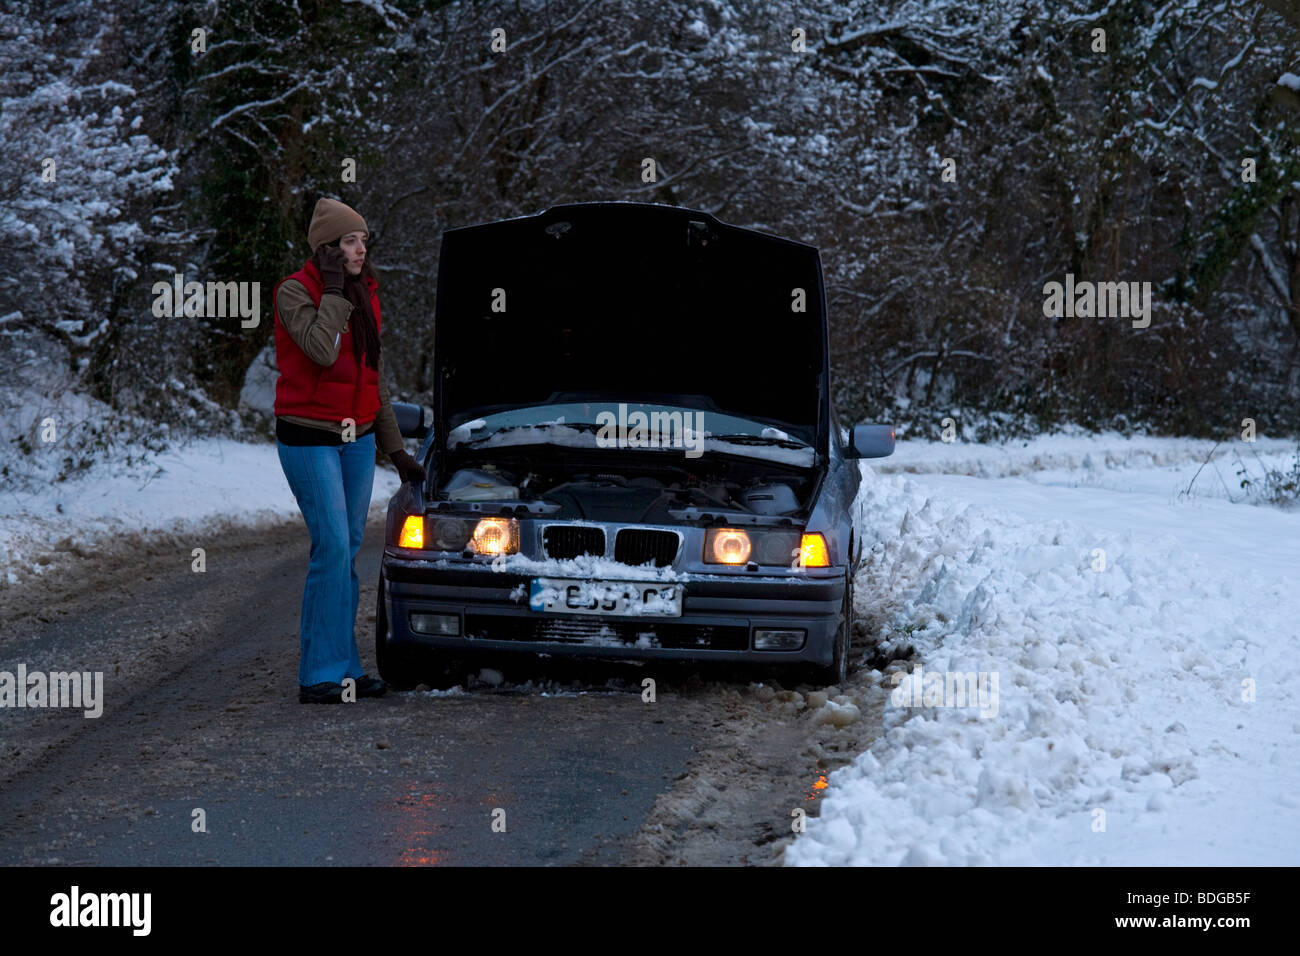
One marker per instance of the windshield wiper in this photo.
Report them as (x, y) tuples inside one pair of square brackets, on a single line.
[(758, 440), (578, 426)]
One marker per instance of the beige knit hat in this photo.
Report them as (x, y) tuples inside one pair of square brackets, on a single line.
[(331, 220)]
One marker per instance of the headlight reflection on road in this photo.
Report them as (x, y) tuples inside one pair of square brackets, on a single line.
[(816, 789), (419, 821)]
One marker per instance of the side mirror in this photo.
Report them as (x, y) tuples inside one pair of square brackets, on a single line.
[(413, 421), (871, 441)]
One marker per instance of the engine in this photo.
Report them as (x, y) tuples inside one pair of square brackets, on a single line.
[(641, 498)]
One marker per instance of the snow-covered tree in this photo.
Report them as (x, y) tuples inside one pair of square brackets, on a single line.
[(82, 183)]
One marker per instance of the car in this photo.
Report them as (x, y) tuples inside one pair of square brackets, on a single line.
[(631, 452)]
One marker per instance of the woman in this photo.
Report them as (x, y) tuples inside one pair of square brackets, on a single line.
[(331, 400)]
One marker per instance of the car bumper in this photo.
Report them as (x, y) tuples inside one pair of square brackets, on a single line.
[(720, 614)]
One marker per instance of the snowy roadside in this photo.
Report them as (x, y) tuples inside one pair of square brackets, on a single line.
[(1109, 460), (186, 492), (1122, 731)]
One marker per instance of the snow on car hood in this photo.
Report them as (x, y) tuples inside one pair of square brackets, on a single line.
[(565, 435), (631, 302)]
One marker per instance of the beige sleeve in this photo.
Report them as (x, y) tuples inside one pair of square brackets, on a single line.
[(387, 435), (316, 331)]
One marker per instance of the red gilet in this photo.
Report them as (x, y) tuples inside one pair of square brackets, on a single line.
[(332, 393)]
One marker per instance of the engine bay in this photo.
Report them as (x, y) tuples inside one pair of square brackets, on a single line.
[(586, 488)]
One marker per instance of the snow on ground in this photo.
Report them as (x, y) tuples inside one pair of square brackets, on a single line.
[(1122, 730), (1108, 459), (192, 487)]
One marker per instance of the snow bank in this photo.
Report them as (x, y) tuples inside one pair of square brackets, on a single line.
[(1086, 459), (192, 487), (1124, 731)]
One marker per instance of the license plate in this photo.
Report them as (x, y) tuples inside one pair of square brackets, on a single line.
[(623, 598)]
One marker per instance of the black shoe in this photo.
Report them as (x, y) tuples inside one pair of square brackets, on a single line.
[(370, 686), (323, 693)]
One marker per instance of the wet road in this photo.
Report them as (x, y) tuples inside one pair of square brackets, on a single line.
[(201, 724)]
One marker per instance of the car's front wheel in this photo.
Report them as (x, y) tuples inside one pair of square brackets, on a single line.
[(838, 670)]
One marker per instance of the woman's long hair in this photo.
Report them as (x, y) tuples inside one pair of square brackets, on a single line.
[(365, 331)]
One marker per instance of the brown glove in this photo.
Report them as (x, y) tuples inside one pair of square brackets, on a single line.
[(410, 469), (331, 268)]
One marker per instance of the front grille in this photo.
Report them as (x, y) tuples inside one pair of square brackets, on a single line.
[(606, 632), (570, 541), (638, 545)]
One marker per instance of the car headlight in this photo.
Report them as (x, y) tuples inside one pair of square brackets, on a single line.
[(783, 548), (436, 534), (776, 547), (450, 534), (726, 546), (495, 536)]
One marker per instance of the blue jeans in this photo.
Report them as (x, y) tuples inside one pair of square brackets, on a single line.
[(332, 484)]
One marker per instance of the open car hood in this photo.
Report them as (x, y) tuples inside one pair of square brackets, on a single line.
[(630, 302)]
